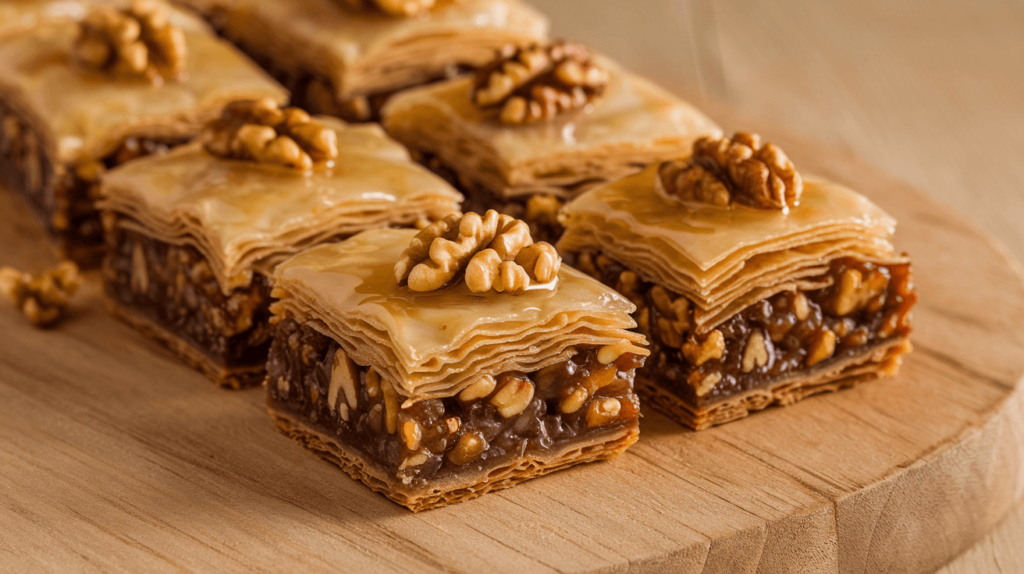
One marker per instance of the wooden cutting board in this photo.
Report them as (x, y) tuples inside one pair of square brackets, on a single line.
[(113, 456)]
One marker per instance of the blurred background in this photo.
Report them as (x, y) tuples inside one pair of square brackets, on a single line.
[(931, 92)]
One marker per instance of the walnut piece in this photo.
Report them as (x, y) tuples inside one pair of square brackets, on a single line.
[(739, 170), (139, 41), (537, 83), (259, 130), (42, 299), (495, 252)]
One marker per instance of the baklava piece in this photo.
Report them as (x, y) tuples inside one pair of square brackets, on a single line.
[(194, 234), (80, 97), (345, 57), (756, 287), (475, 363), (540, 125)]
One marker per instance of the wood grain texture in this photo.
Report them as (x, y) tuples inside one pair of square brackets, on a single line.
[(115, 457)]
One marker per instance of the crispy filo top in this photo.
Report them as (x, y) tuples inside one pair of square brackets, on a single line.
[(365, 52), (434, 344), (83, 114), (634, 123), (725, 259), (245, 216)]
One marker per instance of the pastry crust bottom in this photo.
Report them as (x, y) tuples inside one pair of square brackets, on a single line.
[(459, 489), (227, 377), (871, 364)]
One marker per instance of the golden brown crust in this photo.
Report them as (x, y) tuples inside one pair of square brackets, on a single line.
[(516, 471), (873, 363), (233, 378)]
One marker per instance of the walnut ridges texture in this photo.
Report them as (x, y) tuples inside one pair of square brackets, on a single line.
[(740, 170), (494, 251), (139, 41), (43, 299), (259, 130), (537, 83)]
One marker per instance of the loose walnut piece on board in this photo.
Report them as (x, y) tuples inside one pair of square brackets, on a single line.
[(494, 251), (401, 8), (139, 41), (741, 170), (259, 130), (42, 299), (539, 82)]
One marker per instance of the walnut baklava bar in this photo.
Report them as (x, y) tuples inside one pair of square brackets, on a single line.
[(439, 366), (756, 287), (194, 234)]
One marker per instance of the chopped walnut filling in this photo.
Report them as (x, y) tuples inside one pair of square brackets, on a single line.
[(867, 304), (494, 252), (537, 83), (496, 418), (261, 131), (740, 170), (175, 287), (43, 299), (139, 41)]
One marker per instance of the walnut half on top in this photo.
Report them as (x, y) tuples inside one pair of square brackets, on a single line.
[(494, 252), (537, 83), (260, 131), (139, 41), (740, 170)]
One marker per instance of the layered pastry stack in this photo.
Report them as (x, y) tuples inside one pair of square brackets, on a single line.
[(756, 286), (433, 355), (441, 365), (345, 57), (538, 126), (78, 98), (195, 234)]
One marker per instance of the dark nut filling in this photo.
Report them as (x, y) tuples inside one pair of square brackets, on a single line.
[(175, 287), (867, 305), (63, 195), (495, 420)]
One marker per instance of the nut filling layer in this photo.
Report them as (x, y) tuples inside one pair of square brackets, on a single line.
[(174, 288), (495, 420), (867, 305), (63, 195)]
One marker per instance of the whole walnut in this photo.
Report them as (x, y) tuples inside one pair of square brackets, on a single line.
[(740, 170), (537, 83), (493, 252)]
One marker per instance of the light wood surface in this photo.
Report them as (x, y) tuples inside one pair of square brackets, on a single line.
[(116, 457)]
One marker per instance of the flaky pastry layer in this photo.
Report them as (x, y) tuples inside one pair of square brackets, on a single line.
[(632, 125), (245, 216), (435, 344), (725, 259)]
